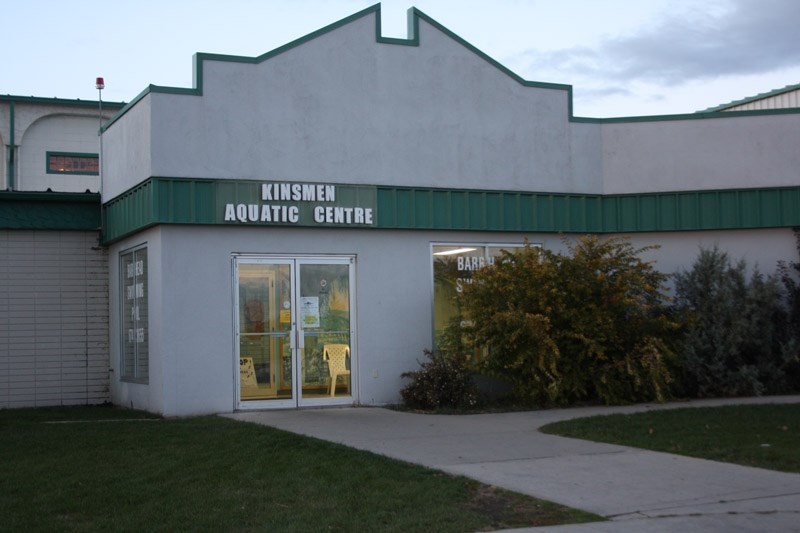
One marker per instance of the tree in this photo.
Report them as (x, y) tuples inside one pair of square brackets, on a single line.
[(588, 325), (738, 340), (789, 273)]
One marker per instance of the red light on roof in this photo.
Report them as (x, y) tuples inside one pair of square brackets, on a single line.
[(100, 84)]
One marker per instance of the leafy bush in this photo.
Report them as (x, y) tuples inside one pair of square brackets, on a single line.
[(737, 342), (789, 273), (443, 381), (586, 326)]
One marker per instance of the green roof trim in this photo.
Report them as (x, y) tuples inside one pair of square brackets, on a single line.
[(414, 16), (749, 99), (438, 209), (49, 211), (197, 202), (58, 101)]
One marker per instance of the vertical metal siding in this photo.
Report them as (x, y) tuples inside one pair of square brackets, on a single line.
[(785, 100)]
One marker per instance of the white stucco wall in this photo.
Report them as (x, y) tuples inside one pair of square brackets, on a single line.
[(127, 150), (149, 396), (191, 300), (343, 108), (712, 153), (57, 133), (191, 308), (42, 125), (761, 249)]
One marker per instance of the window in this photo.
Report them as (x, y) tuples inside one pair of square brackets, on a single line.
[(133, 273), (70, 163), (453, 265)]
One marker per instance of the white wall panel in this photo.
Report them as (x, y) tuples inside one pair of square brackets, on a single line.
[(53, 319)]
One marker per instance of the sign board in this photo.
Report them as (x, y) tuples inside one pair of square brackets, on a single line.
[(296, 204), (247, 372)]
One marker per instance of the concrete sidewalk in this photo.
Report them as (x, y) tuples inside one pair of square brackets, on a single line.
[(638, 490)]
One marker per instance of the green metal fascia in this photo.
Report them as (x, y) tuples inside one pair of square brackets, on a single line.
[(130, 212), (194, 201), (439, 209), (414, 208), (49, 211), (175, 201)]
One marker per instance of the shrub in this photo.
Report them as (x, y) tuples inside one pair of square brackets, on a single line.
[(789, 273), (443, 381), (737, 341), (586, 326)]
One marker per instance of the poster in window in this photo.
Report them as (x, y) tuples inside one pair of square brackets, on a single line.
[(309, 311)]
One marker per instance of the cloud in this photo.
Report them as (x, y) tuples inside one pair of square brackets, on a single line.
[(749, 37)]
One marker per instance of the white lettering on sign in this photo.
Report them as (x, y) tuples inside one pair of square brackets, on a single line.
[(472, 263), (460, 282), (297, 192), (262, 213), (135, 269), (342, 215), (469, 264), (273, 210)]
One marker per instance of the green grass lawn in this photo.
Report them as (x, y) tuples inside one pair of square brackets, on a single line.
[(766, 436), (101, 468)]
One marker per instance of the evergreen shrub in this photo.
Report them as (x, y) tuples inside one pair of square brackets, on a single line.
[(737, 341), (789, 273)]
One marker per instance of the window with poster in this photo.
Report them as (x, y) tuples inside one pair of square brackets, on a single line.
[(134, 323), (453, 268)]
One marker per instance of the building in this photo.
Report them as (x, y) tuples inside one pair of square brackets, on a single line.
[(786, 98), (290, 231), (53, 270)]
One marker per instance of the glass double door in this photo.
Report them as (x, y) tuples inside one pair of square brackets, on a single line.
[(294, 331)]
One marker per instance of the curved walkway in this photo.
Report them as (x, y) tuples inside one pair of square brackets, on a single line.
[(637, 490)]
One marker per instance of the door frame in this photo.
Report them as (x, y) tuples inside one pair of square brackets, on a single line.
[(296, 334)]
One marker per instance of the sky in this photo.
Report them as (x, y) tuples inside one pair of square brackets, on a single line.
[(622, 57)]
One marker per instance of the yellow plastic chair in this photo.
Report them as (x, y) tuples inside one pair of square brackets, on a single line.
[(336, 356)]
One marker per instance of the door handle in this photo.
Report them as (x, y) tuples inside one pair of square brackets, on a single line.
[(297, 339)]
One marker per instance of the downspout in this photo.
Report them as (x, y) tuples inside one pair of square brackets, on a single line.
[(10, 174)]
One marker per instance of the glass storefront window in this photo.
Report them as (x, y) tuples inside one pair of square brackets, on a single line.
[(325, 308), (264, 329), (453, 268), (135, 355), (294, 329)]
